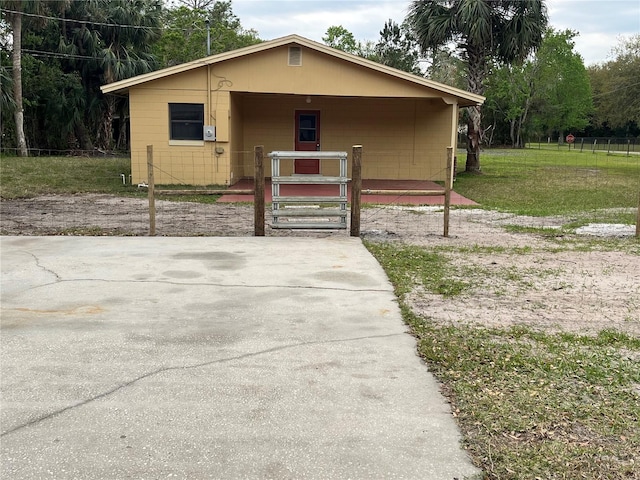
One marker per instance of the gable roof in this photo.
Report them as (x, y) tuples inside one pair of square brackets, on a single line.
[(464, 98)]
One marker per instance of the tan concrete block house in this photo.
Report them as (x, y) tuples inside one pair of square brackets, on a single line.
[(204, 117)]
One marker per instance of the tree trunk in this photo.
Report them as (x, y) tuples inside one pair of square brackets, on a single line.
[(521, 121), (105, 129), (512, 132), (475, 80), (123, 139), (83, 137), (16, 25), (473, 140)]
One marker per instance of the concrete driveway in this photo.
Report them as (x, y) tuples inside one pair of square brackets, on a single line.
[(137, 357)]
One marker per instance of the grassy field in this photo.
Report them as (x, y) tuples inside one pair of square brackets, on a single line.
[(33, 176), (550, 182)]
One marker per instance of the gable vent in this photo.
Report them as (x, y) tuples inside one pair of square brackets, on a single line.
[(295, 56)]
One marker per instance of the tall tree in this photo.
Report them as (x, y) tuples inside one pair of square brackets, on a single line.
[(616, 89), (561, 85), (19, 12), (112, 41), (13, 11), (510, 95), (184, 35), (503, 30), (342, 39), (397, 48), (549, 93)]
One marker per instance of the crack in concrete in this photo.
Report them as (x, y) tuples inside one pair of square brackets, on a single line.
[(59, 279), (184, 367), (39, 265), (224, 285)]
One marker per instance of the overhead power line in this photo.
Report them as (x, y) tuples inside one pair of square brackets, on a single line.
[(40, 53), (72, 20)]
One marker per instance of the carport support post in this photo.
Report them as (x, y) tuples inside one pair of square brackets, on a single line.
[(258, 193), (356, 189), (448, 184), (151, 192)]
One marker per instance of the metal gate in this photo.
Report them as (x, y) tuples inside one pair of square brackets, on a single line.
[(309, 211)]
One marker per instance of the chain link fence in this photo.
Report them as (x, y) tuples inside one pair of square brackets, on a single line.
[(610, 145)]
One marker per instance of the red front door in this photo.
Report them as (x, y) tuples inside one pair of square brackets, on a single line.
[(307, 140)]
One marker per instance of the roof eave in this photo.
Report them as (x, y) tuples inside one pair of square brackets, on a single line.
[(465, 98), (472, 99)]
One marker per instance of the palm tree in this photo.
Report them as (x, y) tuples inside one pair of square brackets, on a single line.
[(117, 36), (126, 49), (483, 31)]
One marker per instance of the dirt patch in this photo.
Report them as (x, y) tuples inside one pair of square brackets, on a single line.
[(540, 285), (580, 292)]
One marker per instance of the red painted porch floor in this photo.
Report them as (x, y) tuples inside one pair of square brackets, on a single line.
[(319, 190)]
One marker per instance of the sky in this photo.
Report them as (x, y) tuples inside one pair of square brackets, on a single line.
[(600, 23)]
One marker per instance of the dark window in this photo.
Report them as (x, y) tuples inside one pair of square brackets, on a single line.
[(186, 121), (307, 128)]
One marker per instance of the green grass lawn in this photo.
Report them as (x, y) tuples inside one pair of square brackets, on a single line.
[(547, 182), (33, 176)]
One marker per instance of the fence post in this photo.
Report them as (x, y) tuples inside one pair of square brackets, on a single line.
[(151, 191), (258, 194), (638, 219), (356, 189), (448, 184)]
